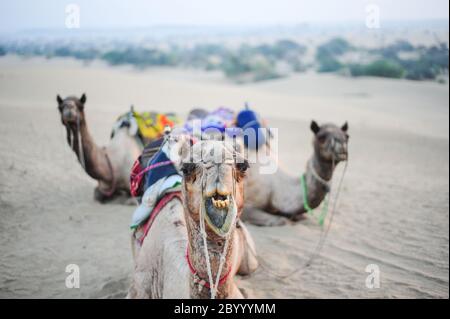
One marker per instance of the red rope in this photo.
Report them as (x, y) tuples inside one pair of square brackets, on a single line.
[(194, 272), (156, 165)]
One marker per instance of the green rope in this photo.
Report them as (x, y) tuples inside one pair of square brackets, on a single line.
[(323, 214)]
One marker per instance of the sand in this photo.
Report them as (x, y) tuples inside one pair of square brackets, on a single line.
[(393, 210)]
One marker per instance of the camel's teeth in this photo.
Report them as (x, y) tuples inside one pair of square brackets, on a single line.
[(221, 204)]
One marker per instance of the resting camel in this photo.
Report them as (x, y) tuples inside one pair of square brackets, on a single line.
[(109, 165), (281, 195), (197, 226)]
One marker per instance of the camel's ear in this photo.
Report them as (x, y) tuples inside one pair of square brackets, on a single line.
[(183, 149), (345, 127), (83, 99), (59, 99), (238, 146), (315, 127)]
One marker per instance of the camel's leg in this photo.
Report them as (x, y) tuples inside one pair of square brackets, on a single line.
[(259, 217), (249, 261), (140, 286), (129, 201), (235, 293)]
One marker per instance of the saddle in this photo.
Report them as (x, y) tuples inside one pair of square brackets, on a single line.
[(146, 126)]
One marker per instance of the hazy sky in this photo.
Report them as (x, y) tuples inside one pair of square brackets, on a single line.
[(30, 14)]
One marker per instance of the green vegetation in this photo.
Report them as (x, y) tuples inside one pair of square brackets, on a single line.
[(427, 64), (382, 68), (258, 62), (140, 57), (328, 53)]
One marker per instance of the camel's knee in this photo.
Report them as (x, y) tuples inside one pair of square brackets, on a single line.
[(259, 217), (101, 197), (249, 259), (248, 265)]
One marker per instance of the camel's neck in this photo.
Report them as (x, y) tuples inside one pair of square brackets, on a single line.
[(287, 196), (317, 172), (198, 261), (88, 153)]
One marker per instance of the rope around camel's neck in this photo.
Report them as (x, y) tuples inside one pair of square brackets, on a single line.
[(76, 142), (319, 174), (215, 282)]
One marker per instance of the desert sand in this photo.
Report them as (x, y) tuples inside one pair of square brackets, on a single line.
[(393, 210)]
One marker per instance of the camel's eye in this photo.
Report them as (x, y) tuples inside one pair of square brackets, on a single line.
[(242, 167), (188, 169), (322, 138)]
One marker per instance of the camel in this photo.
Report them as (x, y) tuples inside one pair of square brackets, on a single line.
[(181, 256), (272, 198), (109, 165)]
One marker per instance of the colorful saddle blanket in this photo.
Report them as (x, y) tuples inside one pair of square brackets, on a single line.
[(146, 126), (227, 121), (154, 176)]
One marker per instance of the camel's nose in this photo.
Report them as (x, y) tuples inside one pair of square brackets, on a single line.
[(340, 150), (340, 147), (219, 182), (67, 114), (218, 188)]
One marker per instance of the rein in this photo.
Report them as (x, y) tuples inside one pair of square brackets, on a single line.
[(327, 184), (213, 286), (322, 238), (309, 210)]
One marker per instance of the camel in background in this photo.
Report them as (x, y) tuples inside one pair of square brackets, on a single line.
[(109, 165), (271, 198)]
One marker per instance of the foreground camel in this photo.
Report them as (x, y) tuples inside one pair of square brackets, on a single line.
[(173, 259), (281, 195), (109, 165)]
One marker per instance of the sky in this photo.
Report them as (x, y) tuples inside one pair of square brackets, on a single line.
[(20, 15)]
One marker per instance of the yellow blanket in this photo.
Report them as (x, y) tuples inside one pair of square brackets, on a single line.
[(151, 124)]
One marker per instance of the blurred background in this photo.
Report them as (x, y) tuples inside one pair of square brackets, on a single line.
[(245, 40), (381, 65)]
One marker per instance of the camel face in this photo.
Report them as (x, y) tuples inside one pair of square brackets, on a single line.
[(213, 182), (330, 141), (71, 109)]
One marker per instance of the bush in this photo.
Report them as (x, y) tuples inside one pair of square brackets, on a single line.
[(235, 66), (328, 64), (258, 68), (328, 52), (431, 62), (381, 68), (139, 57), (335, 47)]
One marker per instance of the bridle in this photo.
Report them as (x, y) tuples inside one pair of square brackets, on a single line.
[(213, 285), (324, 231)]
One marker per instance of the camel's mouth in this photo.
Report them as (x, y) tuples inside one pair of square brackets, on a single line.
[(220, 213), (342, 156)]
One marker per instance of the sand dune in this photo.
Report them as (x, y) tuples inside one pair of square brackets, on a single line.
[(393, 212)]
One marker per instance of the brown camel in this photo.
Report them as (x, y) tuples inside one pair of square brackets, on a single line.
[(271, 198), (109, 165), (196, 245)]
